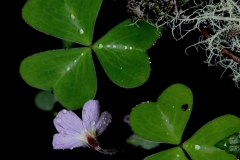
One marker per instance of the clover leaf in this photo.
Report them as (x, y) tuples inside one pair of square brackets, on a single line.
[(45, 100), (70, 73), (165, 121), (122, 53), (137, 141), (71, 20), (201, 144), (175, 153)]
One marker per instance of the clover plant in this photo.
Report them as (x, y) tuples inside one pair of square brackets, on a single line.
[(68, 76)]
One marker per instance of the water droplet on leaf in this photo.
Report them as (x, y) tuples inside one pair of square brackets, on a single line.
[(100, 46), (197, 147), (81, 31), (72, 16)]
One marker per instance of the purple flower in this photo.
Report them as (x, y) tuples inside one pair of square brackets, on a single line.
[(126, 118), (74, 132)]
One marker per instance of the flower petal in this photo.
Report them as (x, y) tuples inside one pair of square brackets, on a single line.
[(90, 114), (126, 119), (68, 123), (66, 142), (103, 122)]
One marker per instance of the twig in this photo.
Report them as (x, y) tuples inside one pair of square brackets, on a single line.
[(224, 51)]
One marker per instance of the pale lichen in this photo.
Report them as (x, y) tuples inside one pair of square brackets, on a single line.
[(221, 19)]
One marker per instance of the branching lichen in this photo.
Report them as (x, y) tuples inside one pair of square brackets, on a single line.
[(155, 12), (222, 45), (221, 20)]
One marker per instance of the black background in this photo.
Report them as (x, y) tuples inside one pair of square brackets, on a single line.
[(32, 129)]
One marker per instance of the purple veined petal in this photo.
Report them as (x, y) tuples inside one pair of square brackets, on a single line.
[(126, 118), (68, 123), (66, 142), (90, 114), (103, 122)]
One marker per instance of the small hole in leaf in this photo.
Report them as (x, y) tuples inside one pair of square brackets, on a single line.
[(184, 107)]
